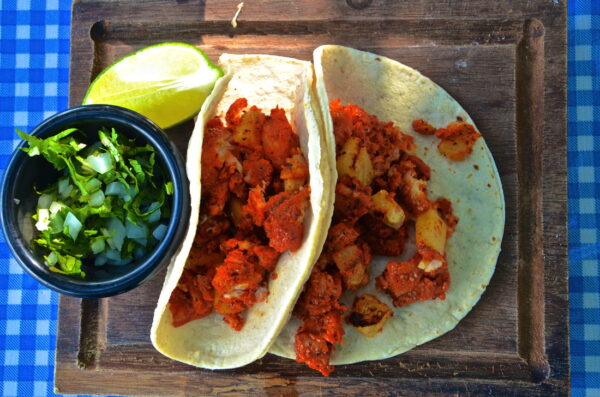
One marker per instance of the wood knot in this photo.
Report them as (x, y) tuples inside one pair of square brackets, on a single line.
[(359, 4), (99, 30)]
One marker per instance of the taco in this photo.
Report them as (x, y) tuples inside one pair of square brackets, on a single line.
[(418, 218), (259, 178)]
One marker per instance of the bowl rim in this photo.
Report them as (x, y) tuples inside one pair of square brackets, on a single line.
[(161, 253)]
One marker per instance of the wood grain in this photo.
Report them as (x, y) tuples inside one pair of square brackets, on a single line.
[(503, 61)]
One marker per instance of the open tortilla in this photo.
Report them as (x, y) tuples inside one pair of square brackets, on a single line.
[(394, 92), (266, 82)]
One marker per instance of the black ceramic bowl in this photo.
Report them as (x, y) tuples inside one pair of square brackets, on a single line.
[(19, 202)]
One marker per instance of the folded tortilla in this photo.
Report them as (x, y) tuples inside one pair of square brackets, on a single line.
[(266, 82), (395, 92)]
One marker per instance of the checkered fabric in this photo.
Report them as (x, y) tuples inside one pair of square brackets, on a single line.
[(34, 61), (34, 78), (584, 195)]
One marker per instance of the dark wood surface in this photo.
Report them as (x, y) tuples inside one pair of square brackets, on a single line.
[(505, 62)]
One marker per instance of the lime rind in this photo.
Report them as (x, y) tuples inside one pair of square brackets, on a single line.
[(167, 82)]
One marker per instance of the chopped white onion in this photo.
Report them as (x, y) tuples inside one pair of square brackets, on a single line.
[(116, 189), (139, 253), (155, 216), (73, 224), (101, 162), (152, 206), (67, 192), (117, 232), (52, 259), (45, 200), (98, 245), (64, 188), (136, 231), (55, 207), (112, 255), (114, 258), (100, 260), (43, 219), (62, 185), (56, 223), (129, 194), (97, 199), (160, 232), (141, 241), (122, 262)]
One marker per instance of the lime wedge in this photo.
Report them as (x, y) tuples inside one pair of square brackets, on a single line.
[(166, 82)]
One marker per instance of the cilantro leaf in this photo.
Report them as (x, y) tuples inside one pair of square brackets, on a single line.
[(70, 240), (169, 188)]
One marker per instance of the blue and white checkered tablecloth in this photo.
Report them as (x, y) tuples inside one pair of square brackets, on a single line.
[(34, 64), (34, 79), (584, 195)]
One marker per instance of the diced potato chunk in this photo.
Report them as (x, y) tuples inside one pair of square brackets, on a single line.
[(456, 148), (431, 231), (248, 132), (393, 214), (353, 262), (235, 209), (458, 139), (347, 157), (354, 160), (294, 167), (364, 167), (369, 315), (292, 185), (415, 193), (294, 172)]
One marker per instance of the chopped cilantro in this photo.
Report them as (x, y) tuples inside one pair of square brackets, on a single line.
[(106, 185)]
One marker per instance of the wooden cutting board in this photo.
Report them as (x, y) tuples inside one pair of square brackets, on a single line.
[(504, 61)]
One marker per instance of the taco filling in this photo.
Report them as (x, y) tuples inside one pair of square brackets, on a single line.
[(412, 172), (254, 197), (380, 199), (457, 138)]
